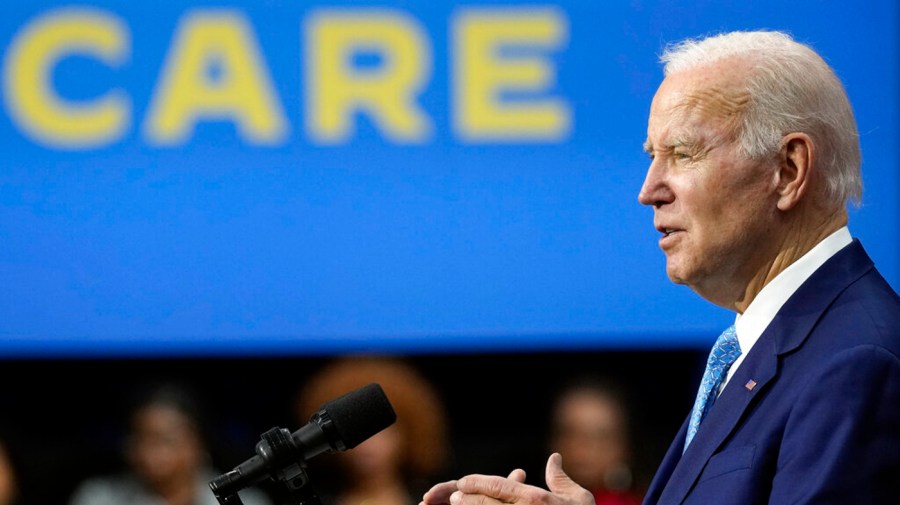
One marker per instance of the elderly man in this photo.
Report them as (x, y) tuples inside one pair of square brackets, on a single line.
[(754, 158)]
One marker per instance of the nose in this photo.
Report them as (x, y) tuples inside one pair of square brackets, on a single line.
[(655, 191)]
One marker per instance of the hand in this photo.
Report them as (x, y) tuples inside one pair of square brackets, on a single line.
[(489, 489)]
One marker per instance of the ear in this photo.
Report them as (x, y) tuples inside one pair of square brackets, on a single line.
[(794, 175)]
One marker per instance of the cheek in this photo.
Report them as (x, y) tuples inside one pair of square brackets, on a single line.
[(729, 207), (706, 211)]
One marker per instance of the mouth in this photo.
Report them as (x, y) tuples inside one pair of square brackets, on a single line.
[(667, 231), (669, 235)]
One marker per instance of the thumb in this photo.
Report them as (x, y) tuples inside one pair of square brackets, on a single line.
[(557, 480)]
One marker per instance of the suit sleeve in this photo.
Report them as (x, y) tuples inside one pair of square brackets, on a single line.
[(842, 439)]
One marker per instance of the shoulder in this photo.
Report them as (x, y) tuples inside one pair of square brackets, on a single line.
[(866, 312), (105, 490), (847, 302)]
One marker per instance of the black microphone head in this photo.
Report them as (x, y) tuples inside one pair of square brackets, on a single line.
[(359, 414)]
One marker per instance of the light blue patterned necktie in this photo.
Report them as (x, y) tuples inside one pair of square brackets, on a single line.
[(723, 354)]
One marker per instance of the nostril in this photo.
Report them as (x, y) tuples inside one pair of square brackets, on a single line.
[(656, 196)]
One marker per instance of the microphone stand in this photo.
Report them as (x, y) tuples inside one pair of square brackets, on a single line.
[(281, 464)]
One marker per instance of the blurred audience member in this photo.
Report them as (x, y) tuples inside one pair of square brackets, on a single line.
[(394, 466), (590, 428), (9, 480), (167, 456)]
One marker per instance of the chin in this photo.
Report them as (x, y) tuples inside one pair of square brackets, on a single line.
[(675, 277)]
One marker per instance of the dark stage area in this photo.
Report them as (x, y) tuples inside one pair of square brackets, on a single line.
[(66, 418)]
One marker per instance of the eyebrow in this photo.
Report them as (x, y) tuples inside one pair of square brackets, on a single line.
[(672, 144)]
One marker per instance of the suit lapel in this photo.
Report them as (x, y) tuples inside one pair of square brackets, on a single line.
[(760, 365)]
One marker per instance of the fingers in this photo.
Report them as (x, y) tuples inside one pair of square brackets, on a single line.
[(505, 490), (517, 475), (477, 489), (480, 487), (439, 494)]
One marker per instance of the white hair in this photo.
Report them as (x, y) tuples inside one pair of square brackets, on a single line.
[(792, 89)]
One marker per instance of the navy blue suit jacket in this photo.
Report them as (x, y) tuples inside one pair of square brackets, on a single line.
[(812, 415)]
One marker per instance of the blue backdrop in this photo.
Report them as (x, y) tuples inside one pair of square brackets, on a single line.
[(307, 177)]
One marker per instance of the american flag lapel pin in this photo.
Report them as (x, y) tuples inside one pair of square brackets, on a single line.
[(750, 385)]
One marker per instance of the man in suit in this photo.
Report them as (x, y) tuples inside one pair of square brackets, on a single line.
[(754, 158)]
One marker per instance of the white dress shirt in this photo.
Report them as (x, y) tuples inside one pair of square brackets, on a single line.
[(750, 325)]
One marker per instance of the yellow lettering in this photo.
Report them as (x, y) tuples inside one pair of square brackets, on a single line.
[(33, 103), (338, 85), (215, 71), (482, 75)]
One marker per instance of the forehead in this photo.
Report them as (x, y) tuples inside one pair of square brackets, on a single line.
[(161, 414), (712, 97)]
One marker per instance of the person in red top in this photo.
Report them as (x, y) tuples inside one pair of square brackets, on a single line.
[(590, 428)]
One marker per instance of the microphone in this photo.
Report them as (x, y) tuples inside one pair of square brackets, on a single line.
[(340, 424)]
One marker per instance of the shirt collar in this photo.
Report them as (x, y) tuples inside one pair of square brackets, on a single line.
[(750, 325)]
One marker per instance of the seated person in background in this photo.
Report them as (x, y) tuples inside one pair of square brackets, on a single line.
[(394, 466), (590, 428), (167, 455), (9, 488)]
